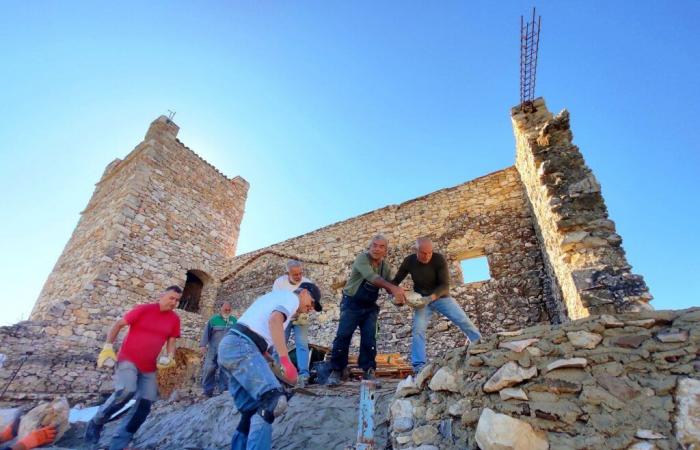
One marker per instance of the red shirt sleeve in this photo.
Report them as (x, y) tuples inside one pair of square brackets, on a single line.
[(135, 314)]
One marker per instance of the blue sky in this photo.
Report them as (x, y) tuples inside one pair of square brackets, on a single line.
[(332, 109)]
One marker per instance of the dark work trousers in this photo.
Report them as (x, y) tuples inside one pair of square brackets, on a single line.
[(351, 317)]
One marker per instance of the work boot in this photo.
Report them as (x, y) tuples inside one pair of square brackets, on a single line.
[(370, 375), (335, 378), (92, 433)]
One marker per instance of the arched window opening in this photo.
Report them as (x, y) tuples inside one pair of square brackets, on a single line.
[(192, 293)]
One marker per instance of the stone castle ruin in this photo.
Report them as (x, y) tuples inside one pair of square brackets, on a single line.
[(164, 216)]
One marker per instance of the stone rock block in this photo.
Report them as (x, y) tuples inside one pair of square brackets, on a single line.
[(54, 413), (407, 387), (688, 407), (444, 380), (512, 393), (501, 432), (672, 336), (424, 434), (567, 364), (648, 434), (517, 346), (509, 375), (584, 339)]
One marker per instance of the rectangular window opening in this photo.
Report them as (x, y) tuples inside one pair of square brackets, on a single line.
[(475, 269)]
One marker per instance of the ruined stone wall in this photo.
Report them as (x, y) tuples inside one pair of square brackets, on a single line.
[(66, 366), (487, 216), (154, 216), (58, 365), (628, 381), (583, 255)]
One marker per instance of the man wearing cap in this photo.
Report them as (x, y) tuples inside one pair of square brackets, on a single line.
[(216, 329), (244, 353), (431, 279), (150, 327), (359, 308), (290, 282)]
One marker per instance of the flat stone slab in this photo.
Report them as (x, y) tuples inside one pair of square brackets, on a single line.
[(668, 337), (570, 363), (556, 386), (512, 393), (648, 434), (517, 346), (611, 322), (508, 375)]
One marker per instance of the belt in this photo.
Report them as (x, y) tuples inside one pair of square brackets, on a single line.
[(254, 337)]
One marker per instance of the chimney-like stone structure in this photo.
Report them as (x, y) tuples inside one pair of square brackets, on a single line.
[(159, 217), (584, 259)]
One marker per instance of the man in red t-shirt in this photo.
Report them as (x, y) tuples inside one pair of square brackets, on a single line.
[(150, 327)]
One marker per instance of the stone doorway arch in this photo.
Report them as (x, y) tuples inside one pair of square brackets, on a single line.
[(195, 290)]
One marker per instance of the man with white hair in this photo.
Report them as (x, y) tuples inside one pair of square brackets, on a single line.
[(431, 279), (290, 282), (359, 309), (216, 328)]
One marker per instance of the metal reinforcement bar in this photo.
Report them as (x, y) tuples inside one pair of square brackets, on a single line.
[(365, 429), (529, 44)]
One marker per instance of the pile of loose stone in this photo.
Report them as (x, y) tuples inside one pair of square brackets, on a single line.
[(628, 381)]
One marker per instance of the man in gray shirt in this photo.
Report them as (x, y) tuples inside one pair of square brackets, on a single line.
[(431, 279)]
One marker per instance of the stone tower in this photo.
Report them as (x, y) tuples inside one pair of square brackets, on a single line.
[(161, 216)]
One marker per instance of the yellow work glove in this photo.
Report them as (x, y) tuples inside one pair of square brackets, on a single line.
[(165, 362), (107, 357), (302, 319)]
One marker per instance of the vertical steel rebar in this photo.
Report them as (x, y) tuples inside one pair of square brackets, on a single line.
[(529, 46)]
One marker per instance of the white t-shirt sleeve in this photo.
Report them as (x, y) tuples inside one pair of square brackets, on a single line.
[(278, 285)]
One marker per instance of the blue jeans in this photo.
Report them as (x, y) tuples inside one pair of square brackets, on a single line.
[(301, 339), (351, 317), (249, 378), (212, 375), (448, 307)]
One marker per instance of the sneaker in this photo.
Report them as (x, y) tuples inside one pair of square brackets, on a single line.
[(335, 378), (92, 433), (303, 381), (370, 375)]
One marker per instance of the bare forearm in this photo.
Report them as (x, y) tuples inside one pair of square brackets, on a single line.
[(114, 331), (170, 347), (382, 283), (277, 334)]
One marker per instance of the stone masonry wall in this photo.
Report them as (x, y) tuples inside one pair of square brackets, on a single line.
[(66, 366), (628, 381), (582, 252), (157, 214), (487, 216)]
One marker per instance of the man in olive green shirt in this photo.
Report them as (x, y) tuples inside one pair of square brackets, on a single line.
[(359, 309)]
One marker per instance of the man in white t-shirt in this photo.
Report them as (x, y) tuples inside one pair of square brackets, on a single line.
[(242, 356), (289, 282)]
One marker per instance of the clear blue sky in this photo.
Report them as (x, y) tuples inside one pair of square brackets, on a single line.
[(332, 109)]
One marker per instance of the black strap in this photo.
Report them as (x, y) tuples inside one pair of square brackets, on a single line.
[(258, 340)]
